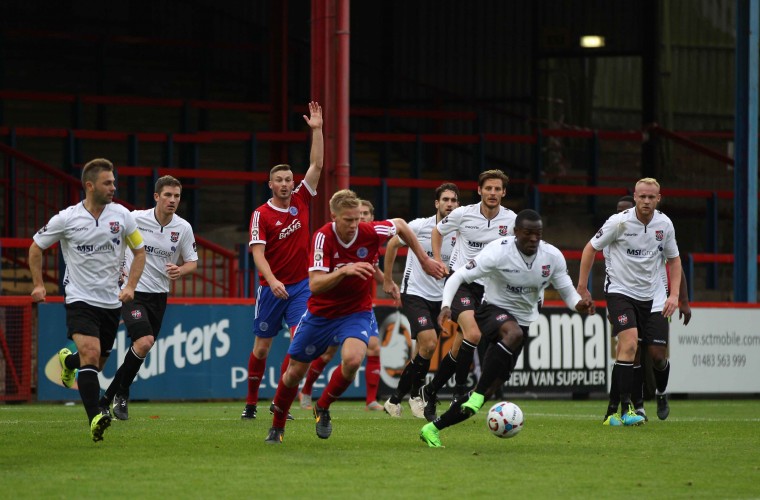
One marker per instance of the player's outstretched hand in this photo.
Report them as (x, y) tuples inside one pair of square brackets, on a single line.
[(684, 312), (434, 268), (363, 270), (127, 294), (314, 120), (444, 316), (391, 289), (585, 306), (278, 290), (39, 293)]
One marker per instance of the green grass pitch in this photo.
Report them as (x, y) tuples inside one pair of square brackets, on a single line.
[(706, 449)]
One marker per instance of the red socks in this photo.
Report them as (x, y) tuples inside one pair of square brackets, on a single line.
[(256, 368), (372, 377), (337, 386), (282, 401), (315, 370)]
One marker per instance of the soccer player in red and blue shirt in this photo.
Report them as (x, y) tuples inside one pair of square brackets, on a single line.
[(341, 270), (280, 244)]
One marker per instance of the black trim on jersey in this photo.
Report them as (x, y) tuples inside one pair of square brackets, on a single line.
[(405, 280)]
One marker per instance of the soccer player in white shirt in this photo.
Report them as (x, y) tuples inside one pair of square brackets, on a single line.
[(421, 300), (168, 239), (519, 268), (475, 226), (639, 241), (654, 343), (93, 235)]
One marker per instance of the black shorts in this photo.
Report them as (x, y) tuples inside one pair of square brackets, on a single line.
[(92, 321), (657, 331), (144, 315), (491, 317), (422, 314), (625, 312), (467, 298)]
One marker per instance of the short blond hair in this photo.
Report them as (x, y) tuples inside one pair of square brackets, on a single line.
[(369, 205), (345, 198), (648, 180)]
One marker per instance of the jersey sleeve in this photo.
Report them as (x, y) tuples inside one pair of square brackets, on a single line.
[(484, 263), (320, 254), (415, 226), (133, 237), (562, 282), (671, 246), (384, 230), (189, 250), (257, 229), (450, 222), (52, 232), (607, 233), (304, 191)]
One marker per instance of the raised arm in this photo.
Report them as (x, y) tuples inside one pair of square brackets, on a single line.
[(317, 155)]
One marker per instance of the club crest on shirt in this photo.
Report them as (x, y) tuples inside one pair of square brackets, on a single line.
[(659, 235), (114, 227), (599, 233), (453, 240), (174, 237), (293, 211), (362, 252), (623, 319), (546, 271), (503, 230)]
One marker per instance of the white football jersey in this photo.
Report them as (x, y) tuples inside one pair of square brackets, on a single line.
[(163, 245), (637, 253), (474, 231), (516, 282), (93, 250), (416, 281), (659, 300)]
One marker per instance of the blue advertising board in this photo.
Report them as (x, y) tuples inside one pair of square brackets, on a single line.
[(201, 353)]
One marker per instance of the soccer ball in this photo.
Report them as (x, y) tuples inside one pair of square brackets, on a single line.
[(505, 419)]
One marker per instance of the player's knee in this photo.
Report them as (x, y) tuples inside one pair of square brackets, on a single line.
[(261, 348), (351, 364), (472, 335), (143, 345), (427, 348), (659, 358), (89, 355), (511, 334)]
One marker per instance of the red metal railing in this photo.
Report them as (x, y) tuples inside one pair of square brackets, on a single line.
[(35, 191)]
